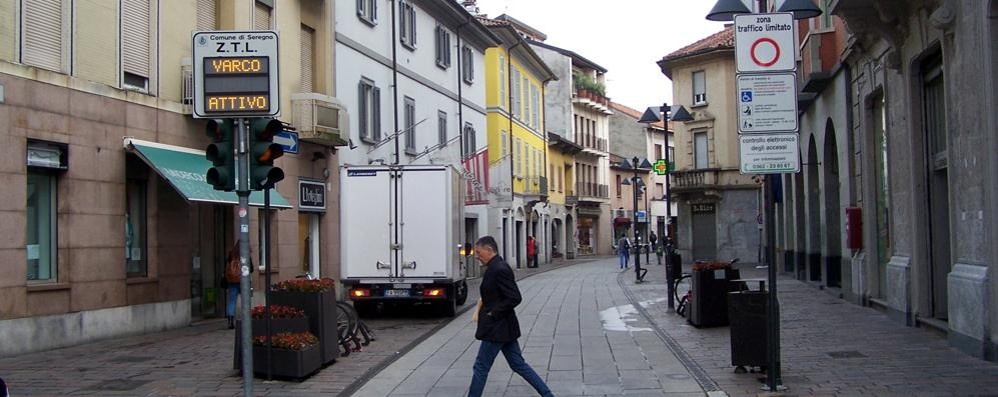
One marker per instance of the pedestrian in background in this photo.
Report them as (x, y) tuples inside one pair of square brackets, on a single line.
[(231, 280), (624, 250), (531, 252), (498, 328), (653, 239)]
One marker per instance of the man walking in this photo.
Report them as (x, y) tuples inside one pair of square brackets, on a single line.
[(498, 328), (624, 250)]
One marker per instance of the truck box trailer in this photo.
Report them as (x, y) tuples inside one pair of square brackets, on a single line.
[(401, 235)]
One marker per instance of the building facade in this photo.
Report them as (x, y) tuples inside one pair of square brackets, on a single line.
[(106, 235), (579, 112), (719, 209), (434, 53), (517, 144), (920, 82)]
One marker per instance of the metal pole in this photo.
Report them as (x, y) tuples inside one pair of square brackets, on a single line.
[(773, 374), (634, 194), (670, 288), (242, 163), (266, 276)]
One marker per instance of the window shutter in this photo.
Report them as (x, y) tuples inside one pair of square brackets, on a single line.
[(307, 58), (135, 36), (207, 15), (42, 29), (261, 16), (377, 114), (362, 100)]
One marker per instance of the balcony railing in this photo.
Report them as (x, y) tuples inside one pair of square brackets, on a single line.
[(694, 179), (536, 185), (819, 55), (595, 190)]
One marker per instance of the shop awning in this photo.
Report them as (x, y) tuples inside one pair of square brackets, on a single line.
[(185, 170)]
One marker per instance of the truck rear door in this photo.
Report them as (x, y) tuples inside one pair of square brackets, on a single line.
[(365, 216), (425, 223)]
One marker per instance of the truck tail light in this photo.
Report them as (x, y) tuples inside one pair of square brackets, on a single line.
[(434, 292), (360, 292)]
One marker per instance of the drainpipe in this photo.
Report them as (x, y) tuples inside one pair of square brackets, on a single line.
[(460, 95), (395, 84)]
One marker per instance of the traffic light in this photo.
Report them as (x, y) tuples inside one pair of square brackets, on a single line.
[(263, 151), (220, 152)]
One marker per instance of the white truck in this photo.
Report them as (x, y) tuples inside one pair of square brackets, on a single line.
[(401, 236)]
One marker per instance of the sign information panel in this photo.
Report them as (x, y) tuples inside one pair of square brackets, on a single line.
[(235, 74), (767, 103), (769, 154), (765, 42)]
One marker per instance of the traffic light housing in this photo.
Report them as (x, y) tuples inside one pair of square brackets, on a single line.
[(222, 176), (263, 151)]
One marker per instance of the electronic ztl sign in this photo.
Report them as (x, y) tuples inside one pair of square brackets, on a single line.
[(235, 74)]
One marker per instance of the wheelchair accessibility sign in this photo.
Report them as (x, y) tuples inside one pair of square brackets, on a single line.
[(746, 96), (768, 103)]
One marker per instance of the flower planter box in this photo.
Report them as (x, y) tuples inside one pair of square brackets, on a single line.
[(321, 310), (259, 326), (287, 363)]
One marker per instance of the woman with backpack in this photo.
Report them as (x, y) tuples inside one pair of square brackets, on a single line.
[(230, 281)]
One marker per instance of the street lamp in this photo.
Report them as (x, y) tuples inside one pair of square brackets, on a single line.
[(651, 116), (637, 183), (725, 10)]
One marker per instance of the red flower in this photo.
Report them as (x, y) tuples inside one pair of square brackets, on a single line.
[(277, 311), (290, 341), (302, 285)]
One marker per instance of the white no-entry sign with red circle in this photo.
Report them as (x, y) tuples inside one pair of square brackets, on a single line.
[(765, 42)]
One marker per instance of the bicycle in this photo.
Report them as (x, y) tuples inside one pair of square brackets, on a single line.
[(682, 303), (348, 325)]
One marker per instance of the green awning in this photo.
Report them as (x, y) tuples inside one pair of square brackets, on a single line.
[(185, 170)]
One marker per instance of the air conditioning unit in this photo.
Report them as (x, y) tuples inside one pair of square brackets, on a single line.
[(187, 85), (320, 119), (619, 213)]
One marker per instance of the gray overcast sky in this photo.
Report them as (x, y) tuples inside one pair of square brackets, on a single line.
[(624, 36)]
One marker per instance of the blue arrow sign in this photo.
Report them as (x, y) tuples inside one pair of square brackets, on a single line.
[(288, 141)]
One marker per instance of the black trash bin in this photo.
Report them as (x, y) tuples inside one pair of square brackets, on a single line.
[(747, 313), (709, 297)]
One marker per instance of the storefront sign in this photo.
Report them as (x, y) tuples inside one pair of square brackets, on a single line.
[(311, 196), (703, 208)]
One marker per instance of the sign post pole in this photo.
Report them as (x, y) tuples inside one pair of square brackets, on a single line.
[(768, 125), (242, 183)]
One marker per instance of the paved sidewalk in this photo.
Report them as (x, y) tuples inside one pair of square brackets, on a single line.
[(580, 333), (197, 360), (830, 348)]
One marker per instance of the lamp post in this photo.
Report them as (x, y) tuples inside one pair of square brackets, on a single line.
[(637, 183), (651, 116), (725, 10)]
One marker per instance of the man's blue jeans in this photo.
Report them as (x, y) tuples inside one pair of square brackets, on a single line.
[(487, 353), (624, 258)]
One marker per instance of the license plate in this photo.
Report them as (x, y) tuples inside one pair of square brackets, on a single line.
[(402, 286), (397, 292)]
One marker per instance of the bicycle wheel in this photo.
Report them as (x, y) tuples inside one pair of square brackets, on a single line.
[(346, 323)]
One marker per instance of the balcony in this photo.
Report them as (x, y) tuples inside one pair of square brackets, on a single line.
[(593, 146), (692, 180), (592, 191), (591, 99), (819, 55), (535, 186)]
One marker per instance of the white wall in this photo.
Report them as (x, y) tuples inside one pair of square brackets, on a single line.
[(431, 87)]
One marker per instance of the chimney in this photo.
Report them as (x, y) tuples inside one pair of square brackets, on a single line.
[(470, 6)]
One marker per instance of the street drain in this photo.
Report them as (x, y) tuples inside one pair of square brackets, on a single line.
[(846, 354)]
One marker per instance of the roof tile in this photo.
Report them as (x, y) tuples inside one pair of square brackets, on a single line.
[(717, 41)]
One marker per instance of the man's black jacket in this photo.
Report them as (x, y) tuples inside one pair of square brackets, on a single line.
[(497, 320)]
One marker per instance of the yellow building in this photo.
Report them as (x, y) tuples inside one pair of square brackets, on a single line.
[(517, 147), (108, 217)]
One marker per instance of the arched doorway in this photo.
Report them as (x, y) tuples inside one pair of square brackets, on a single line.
[(519, 238), (800, 224), (814, 240), (833, 230), (569, 237)]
